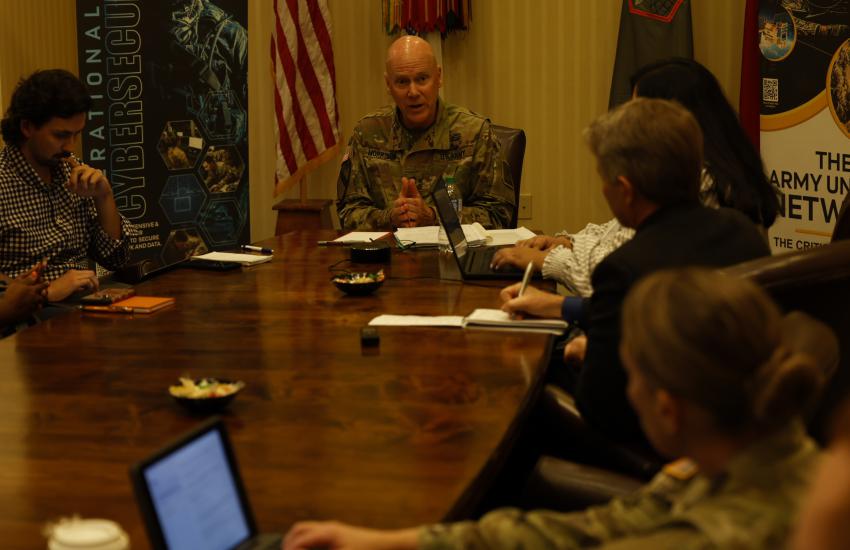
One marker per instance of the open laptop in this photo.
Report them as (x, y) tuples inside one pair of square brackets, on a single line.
[(473, 263), (191, 495)]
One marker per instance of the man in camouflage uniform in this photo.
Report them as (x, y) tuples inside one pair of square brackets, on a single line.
[(398, 153)]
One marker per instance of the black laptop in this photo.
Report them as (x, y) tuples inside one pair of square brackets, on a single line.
[(191, 495), (473, 263)]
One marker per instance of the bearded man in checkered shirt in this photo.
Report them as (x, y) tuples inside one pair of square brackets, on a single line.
[(53, 207)]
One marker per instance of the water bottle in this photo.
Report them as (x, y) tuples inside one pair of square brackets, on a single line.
[(454, 194)]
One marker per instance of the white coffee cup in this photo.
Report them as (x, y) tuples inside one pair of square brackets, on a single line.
[(86, 534)]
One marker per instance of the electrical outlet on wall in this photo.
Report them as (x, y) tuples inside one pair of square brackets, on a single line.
[(524, 207)]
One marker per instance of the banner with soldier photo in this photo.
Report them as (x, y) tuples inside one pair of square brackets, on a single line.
[(169, 124), (805, 115)]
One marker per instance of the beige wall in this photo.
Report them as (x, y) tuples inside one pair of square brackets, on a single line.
[(544, 66), (546, 69)]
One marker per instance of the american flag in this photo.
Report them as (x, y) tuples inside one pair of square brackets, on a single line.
[(305, 89)]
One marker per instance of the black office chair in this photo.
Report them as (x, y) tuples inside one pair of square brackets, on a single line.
[(512, 141), (814, 281)]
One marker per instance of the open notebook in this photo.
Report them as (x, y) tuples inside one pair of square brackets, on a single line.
[(235, 257), (480, 318)]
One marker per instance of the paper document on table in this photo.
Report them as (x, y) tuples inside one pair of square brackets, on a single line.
[(244, 259), (496, 318), (360, 237), (429, 235), (508, 237), (417, 321)]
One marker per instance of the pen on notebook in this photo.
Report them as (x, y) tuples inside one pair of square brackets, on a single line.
[(333, 243), (260, 249), (529, 269)]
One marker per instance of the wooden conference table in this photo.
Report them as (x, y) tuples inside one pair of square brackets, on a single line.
[(404, 434)]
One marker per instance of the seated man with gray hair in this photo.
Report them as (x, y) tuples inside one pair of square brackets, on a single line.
[(649, 155)]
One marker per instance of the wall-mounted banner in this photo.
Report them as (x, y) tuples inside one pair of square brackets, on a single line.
[(170, 119), (805, 115)]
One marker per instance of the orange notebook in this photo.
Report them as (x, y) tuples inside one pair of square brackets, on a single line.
[(136, 304)]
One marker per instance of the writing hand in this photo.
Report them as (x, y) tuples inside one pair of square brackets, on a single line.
[(533, 302)]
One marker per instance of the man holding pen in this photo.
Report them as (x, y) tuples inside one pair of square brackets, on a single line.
[(52, 206), (649, 157)]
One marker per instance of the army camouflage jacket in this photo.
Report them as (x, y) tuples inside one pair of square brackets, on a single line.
[(459, 143), (751, 506)]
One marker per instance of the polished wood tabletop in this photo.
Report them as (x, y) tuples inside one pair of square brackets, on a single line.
[(405, 433)]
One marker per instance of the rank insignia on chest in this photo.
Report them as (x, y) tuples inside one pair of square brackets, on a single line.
[(454, 140)]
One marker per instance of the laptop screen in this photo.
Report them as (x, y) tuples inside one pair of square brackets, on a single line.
[(449, 219), (195, 494)]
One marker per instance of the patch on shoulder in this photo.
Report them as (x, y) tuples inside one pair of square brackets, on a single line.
[(682, 469)]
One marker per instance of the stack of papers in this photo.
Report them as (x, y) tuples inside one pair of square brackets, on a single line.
[(480, 318), (508, 237), (244, 259), (429, 235), (475, 234)]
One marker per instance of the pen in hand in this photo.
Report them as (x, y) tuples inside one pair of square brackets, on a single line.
[(529, 269)]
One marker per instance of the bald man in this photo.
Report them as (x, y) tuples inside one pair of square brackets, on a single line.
[(398, 153)]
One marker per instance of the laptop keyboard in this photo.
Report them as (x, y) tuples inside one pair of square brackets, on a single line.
[(478, 261)]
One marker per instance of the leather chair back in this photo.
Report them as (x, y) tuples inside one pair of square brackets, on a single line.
[(512, 141), (817, 282), (841, 230)]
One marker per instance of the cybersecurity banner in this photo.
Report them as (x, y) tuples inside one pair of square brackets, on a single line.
[(169, 124), (805, 115)]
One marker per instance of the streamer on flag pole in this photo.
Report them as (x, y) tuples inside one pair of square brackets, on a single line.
[(423, 16), (307, 121)]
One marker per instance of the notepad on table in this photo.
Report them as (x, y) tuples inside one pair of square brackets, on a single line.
[(508, 237), (480, 318), (496, 318), (429, 235), (136, 304), (235, 257), (355, 237)]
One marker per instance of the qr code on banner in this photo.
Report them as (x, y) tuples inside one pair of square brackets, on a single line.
[(770, 90)]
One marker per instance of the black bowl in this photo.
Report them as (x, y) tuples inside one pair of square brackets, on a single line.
[(207, 405), (346, 284)]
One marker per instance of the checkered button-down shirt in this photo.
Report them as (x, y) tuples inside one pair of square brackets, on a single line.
[(40, 220)]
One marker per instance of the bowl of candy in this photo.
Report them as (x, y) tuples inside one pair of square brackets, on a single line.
[(359, 284), (205, 395)]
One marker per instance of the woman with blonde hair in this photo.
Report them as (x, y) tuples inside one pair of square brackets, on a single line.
[(717, 374)]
